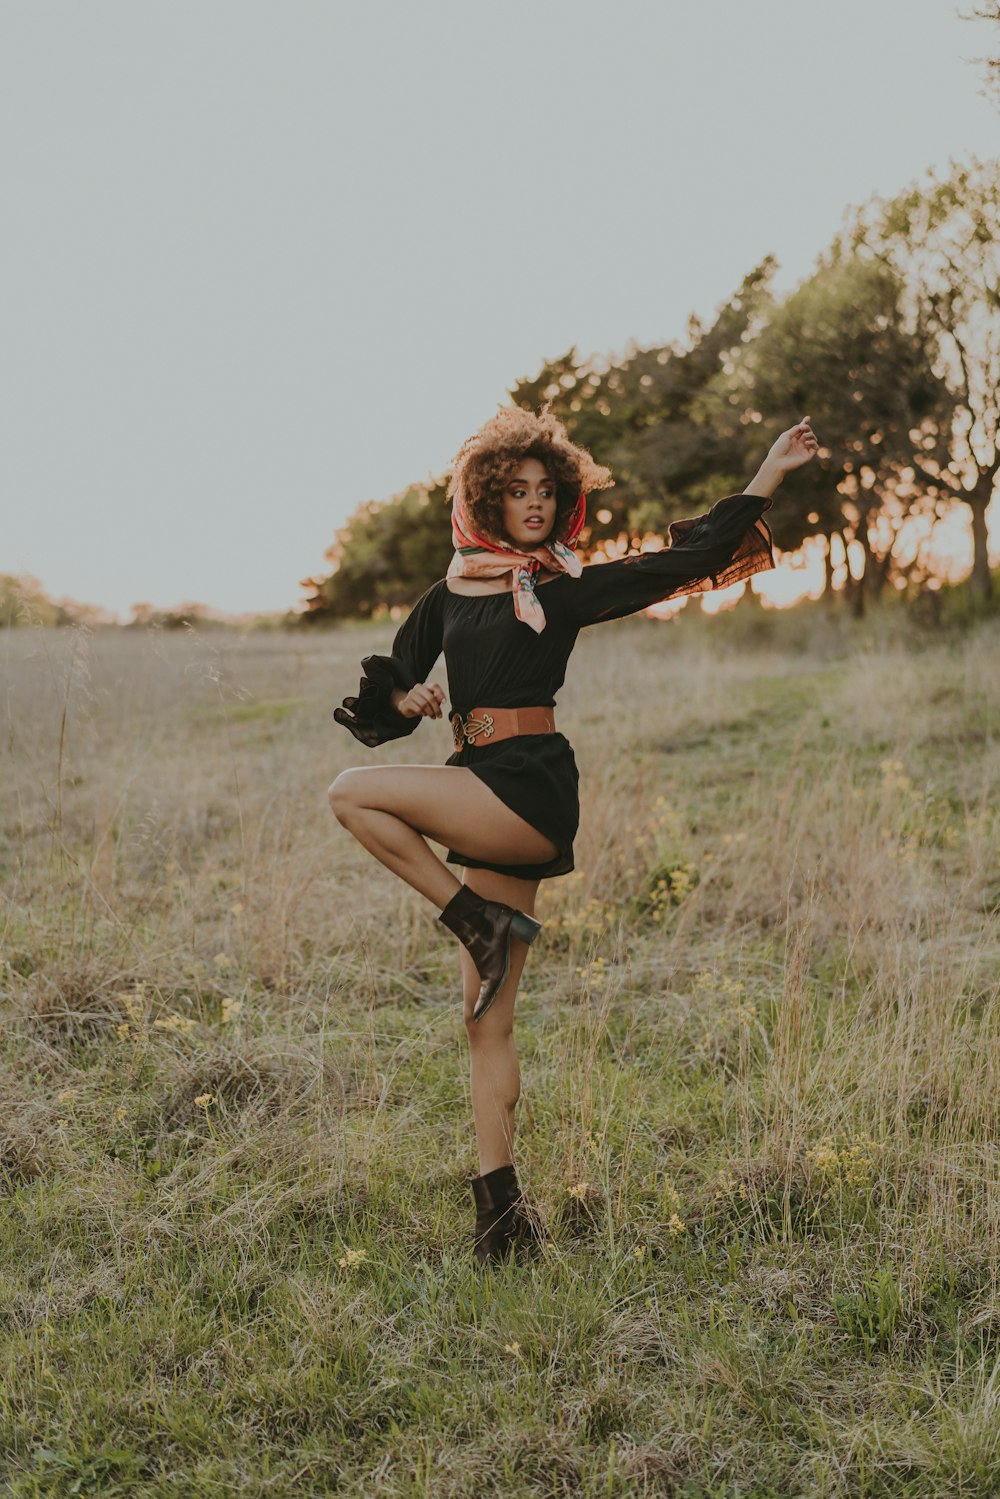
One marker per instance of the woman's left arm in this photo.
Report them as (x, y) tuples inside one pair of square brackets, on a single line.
[(790, 450), (725, 545)]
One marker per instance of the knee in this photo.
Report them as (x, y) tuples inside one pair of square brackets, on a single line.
[(492, 1033), (342, 795)]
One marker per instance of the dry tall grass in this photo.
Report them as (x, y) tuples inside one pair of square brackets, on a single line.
[(760, 1059)]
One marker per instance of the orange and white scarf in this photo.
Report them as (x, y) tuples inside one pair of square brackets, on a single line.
[(478, 556)]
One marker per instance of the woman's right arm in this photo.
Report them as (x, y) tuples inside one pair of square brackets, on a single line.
[(373, 716)]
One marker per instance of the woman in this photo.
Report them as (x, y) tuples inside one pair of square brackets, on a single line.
[(505, 804)]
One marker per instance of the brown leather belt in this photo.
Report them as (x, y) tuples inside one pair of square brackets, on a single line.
[(489, 725)]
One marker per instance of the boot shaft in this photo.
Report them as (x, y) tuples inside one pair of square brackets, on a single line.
[(485, 928), (496, 1189), (472, 917)]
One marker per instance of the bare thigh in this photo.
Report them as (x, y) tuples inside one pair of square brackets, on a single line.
[(451, 805), (499, 1018)]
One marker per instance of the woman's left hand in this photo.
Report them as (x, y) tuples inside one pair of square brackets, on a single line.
[(794, 447)]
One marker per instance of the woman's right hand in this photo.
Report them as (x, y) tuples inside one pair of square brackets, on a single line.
[(422, 701)]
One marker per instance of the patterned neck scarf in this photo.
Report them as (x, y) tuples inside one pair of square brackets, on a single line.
[(478, 556)]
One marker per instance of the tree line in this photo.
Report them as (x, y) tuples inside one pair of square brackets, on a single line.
[(892, 344)]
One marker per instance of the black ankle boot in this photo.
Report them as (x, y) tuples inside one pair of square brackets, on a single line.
[(503, 1223), (485, 927)]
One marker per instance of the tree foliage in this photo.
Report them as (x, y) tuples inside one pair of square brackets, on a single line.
[(990, 11), (839, 346), (387, 554), (942, 239), (891, 344), (23, 601)]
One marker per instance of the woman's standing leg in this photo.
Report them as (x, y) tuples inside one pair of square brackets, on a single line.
[(495, 1071)]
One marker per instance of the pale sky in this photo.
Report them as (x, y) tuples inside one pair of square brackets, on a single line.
[(266, 261)]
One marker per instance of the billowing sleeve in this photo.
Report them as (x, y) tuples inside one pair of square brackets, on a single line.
[(370, 716), (727, 544)]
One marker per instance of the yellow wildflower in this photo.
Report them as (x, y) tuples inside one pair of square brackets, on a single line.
[(725, 1184), (672, 1196), (174, 1023), (353, 1257), (823, 1155)]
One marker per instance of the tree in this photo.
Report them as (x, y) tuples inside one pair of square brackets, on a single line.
[(988, 12), (942, 240), (839, 347), (23, 601), (386, 555)]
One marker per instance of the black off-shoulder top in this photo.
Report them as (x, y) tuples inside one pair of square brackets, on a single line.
[(495, 659)]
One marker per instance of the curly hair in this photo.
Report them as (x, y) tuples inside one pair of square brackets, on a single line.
[(486, 461)]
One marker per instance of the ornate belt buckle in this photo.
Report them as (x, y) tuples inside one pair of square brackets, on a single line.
[(475, 726), (470, 728)]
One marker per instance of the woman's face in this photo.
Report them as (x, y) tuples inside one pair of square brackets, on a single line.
[(529, 505)]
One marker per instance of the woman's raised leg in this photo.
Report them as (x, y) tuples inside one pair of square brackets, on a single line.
[(393, 809)]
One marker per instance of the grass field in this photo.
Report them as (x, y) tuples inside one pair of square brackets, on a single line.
[(760, 1052)]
